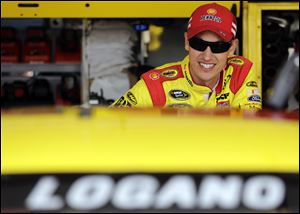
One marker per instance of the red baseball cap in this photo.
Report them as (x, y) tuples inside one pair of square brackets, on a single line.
[(213, 17)]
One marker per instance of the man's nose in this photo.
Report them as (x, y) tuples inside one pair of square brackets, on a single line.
[(207, 53)]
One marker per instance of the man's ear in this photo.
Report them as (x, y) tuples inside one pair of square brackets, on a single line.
[(234, 46), (186, 42)]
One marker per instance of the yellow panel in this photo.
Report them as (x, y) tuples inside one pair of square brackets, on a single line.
[(252, 21), (104, 9), (154, 140)]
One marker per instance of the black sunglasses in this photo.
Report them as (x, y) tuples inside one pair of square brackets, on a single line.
[(216, 47)]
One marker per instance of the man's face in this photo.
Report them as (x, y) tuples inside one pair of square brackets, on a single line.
[(206, 66)]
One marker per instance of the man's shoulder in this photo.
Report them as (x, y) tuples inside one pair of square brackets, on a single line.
[(170, 71), (241, 69)]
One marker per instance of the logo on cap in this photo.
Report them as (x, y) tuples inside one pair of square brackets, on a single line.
[(212, 11)]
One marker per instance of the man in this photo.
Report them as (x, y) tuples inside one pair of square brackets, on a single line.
[(209, 77)]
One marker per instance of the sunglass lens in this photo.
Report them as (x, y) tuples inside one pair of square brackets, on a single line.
[(220, 47), (216, 47), (198, 44)]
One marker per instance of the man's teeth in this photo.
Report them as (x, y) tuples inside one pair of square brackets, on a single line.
[(207, 65)]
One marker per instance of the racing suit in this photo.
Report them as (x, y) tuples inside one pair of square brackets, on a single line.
[(171, 85)]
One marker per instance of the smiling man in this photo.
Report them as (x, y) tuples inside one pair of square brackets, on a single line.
[(210, 76)]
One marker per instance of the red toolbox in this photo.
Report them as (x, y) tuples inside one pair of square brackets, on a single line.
[(37, 52), (68, 47), (36, 47), (10, 46)]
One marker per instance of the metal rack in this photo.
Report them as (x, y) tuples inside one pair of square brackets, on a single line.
[(37, 68)]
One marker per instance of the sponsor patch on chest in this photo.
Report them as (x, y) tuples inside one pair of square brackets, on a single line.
[(254, 98), (224, 104), (222, 97), (179, 94)]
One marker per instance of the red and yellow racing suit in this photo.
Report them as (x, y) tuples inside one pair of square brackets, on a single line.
[(171, 85)]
